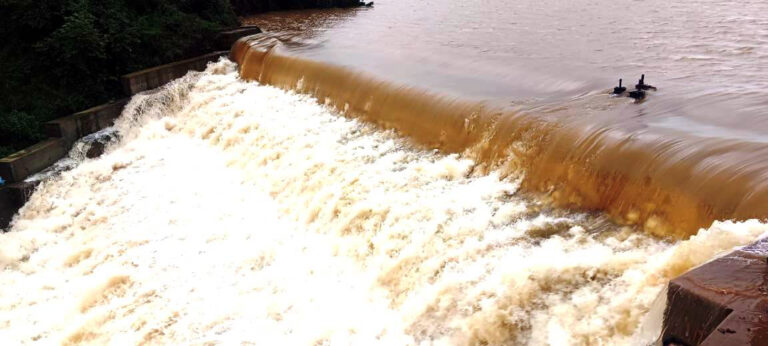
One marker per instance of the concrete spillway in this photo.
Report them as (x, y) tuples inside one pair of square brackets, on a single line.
[(231, 211), (670, 185)]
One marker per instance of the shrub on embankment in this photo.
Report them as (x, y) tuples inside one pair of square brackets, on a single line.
[(63, 56)]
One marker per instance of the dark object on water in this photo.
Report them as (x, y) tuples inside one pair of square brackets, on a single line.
[(642, 86), (370, 4), (637, 94), (619, 89), (366, 4)]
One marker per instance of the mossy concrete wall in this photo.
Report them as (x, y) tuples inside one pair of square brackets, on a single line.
[(20, 165), (78, 125), (151, 78)]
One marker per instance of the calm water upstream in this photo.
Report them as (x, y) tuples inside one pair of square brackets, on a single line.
[(701, 53)]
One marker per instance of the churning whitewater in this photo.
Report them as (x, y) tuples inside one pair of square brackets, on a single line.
[(232, 212)]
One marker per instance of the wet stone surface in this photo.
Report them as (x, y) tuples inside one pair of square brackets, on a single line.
[(724, 302)]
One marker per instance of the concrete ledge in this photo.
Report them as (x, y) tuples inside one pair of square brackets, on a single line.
[(151, 78), (12, 198), (18, 166), (78, 125), (724, 302), (225, 39)]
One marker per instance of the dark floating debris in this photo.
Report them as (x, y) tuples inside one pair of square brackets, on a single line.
[(637, 94), (619, 89), (642, 86)]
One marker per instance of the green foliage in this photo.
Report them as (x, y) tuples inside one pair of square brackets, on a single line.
[(63, 56)]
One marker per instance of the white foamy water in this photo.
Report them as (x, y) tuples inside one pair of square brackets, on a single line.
[(230, 212)]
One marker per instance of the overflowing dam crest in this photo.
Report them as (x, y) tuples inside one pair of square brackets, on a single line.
[(529, 77), (229, 211), (667, 182)]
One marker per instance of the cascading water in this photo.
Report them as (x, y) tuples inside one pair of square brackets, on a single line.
[(233, 212), (87, 147), (579, 151)]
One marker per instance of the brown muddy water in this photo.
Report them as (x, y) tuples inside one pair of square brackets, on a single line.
[(661, 163), (418, 173)]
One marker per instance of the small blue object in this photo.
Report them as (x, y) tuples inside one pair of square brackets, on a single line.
[(2, 182)]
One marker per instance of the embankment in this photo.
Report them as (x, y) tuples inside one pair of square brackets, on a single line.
[(670, 185)]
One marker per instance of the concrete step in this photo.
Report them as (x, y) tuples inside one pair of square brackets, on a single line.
[(151, 78), (78, 125), (18, 166), (721, 303)]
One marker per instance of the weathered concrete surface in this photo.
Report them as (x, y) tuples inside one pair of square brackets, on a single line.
[(18, 166), (151, 78), (8, 206), (724, 302), (225, 39), (13, 197), (78, 125)]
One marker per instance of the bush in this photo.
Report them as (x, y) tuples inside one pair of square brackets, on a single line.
[(63, 56)]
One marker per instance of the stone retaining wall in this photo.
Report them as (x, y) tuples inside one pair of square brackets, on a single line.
[(78, 125), (18, 166), (151, 78)]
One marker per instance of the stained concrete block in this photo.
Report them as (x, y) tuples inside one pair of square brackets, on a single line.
[(78, 125), (20, 165), (225, 39), (151, 78), (8, 206), (12, 198), (723, 302)]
